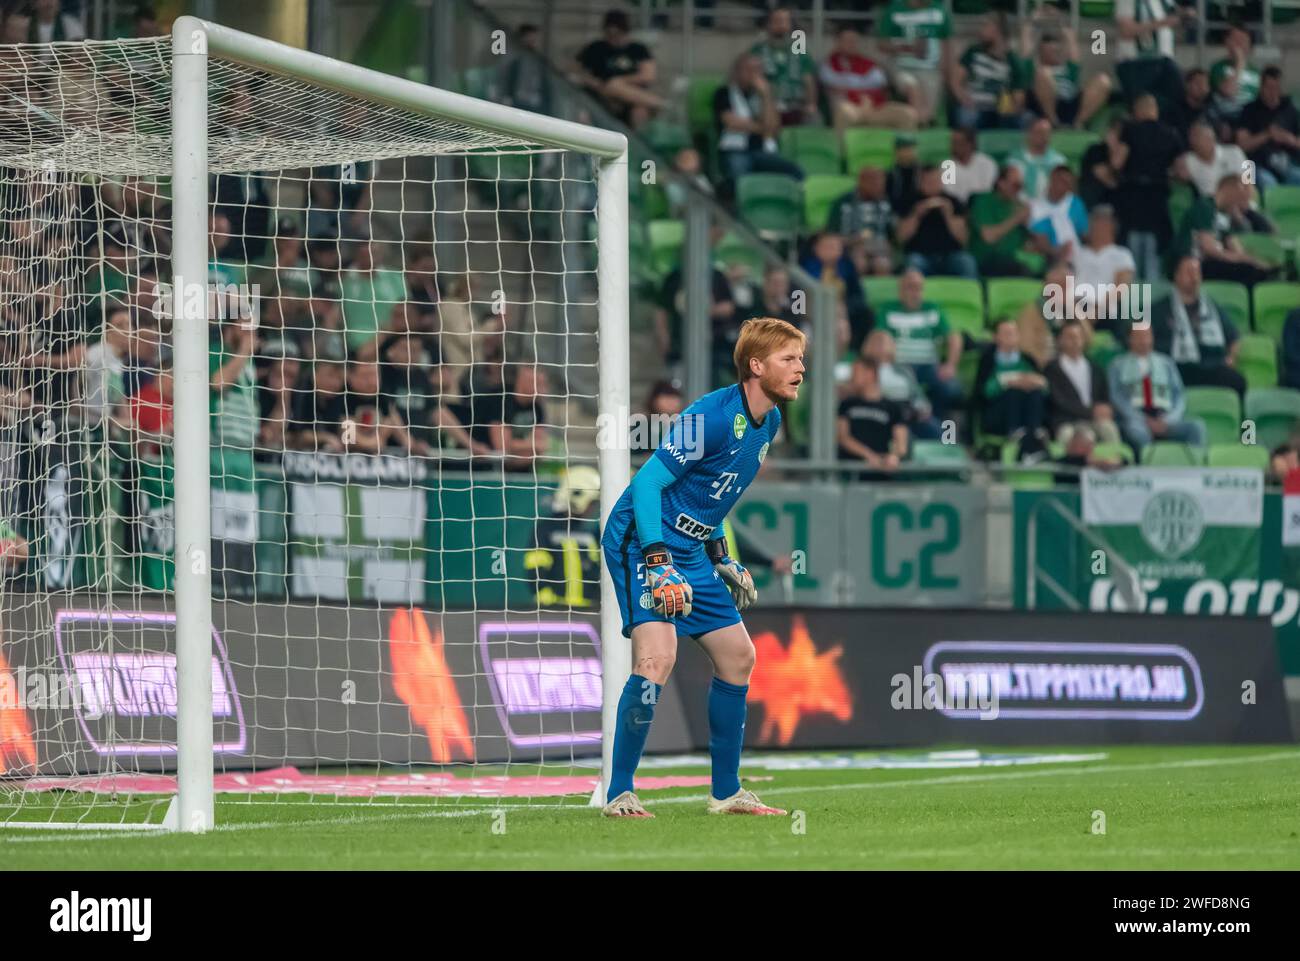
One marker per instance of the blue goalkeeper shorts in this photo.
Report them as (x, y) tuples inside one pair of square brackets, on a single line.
[(711, 604)]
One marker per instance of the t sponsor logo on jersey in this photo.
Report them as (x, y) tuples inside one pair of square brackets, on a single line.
[(692, 528)]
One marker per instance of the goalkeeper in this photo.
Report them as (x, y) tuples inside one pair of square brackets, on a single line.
[(668, 561)]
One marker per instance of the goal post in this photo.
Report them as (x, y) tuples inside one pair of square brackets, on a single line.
[(376, 118)]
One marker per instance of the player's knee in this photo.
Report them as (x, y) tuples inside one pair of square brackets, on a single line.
[(656, 668), (741, 664)]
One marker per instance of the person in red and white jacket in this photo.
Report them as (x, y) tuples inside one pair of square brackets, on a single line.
[(858, 88)]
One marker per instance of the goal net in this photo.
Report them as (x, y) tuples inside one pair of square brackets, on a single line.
[(300, 375)]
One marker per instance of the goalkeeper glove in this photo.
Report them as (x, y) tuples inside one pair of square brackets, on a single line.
[(737, 578), (668, 588)]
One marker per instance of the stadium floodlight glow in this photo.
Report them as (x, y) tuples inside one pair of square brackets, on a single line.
[(169, 109)]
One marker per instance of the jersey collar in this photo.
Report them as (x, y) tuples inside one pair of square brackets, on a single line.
[(744, 400)]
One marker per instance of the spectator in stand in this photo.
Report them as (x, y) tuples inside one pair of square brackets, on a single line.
[(918, 327), (1037, 158), (663, 406), (747, 124), (1194, 107), (277, 394), (527, 81), (1208, 161), (48, 25), (827, 262), (858, 89), (983, 82), (620, 72), (144, 23), (775, 299), (791, 76), (1234, 80), (1011, 391), (320, 411), (1001, 241), (1210, 230), (971, 172), (515, 420), (869, 428), (1059, 216), (447, 419), (370, 292), (226, 268), (1143, 155), (1290, 372), (917, 34), (1103, 264), (372, 423), (669, 322), (104, 391), (1281, 462), (1041, 319), (151, 413), (934, 234), (865, 217), (898, 384), (285, 284), (901, 182), (1079, 394), (1098, 180), (1146, 49), (1189, 327), (687, 163), (1148, 396), (1268, 132), (1055, 91)]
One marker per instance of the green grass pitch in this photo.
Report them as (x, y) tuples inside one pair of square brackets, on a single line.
[(1163, 808)]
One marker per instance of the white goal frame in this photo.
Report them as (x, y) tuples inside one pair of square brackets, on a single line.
[(193, 42)]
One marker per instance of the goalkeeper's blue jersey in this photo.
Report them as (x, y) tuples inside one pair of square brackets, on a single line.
[(714, 450)]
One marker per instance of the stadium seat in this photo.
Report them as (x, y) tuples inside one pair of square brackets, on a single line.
[(1276, 412), (879, 290), (1265, 247), (1257, 360), (962, 301), (1104, 348), (1026, 479), (1220, 409), (1168, 453), (699, 104), (1237, 455), (1119, 451), (1233, 299), (867, 147), (1007, 296), (1097, 9), (967, 368), (1287, 225), (1073, 143), (933, 146), (815, 149), (819, 192), (1181, 196), (667, 138), (732, 250), (998, 144), (1281, 199), (1273, 301), (771, 203), (937, 452), (667, 238)]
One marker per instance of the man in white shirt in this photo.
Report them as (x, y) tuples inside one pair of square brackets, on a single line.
[(970, 172), (1100, 261), (1080, 395), (1209, 161)]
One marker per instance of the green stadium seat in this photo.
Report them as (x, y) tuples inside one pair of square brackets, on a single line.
[(1220, 409), (667, 138), (1276, 413), (699, 104), (933, 146), (967, 367), (868, 147), (1233, 299), (962, 301), (1026, 479), (939, 453), (1281, 200), (1097, 9), (1265, 247), (638, 250), (1257, 360), (733, 250), (815, 149), (1287, 225), (667, 238), (1272, 302), (998, 144), (878, 290), (1007, 296), (771, 203), (1168, 453), (1104, 348), (1117, 451), (819, 192), (1237, 455), (1073, 144), (1181, 196)]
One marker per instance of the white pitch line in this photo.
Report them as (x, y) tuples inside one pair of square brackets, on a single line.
[(1008, 776)]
